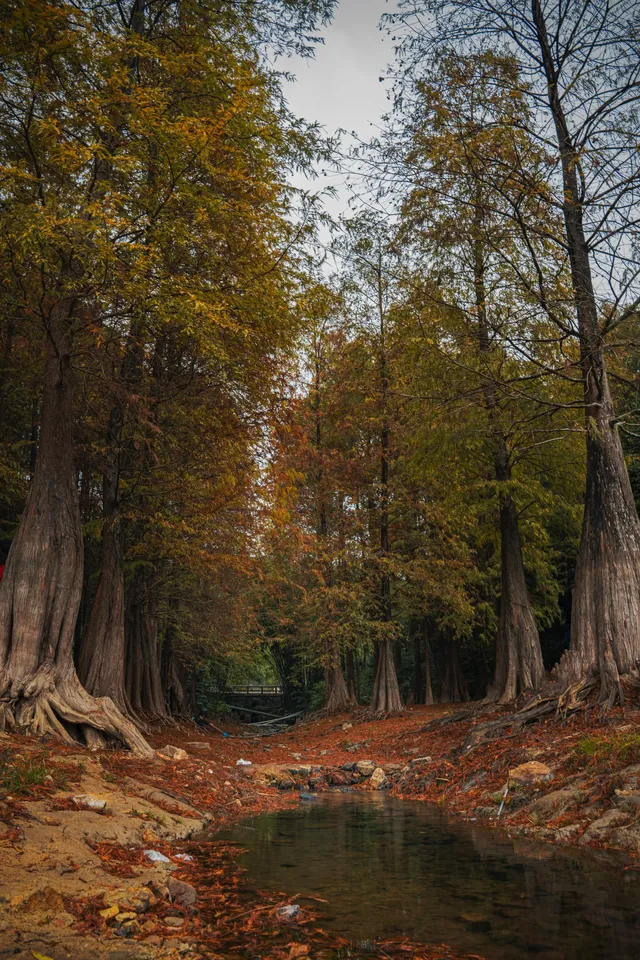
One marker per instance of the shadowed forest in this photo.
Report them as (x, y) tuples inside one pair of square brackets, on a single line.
[(382, 460)]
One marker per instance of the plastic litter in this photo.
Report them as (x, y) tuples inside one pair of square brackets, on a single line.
[(243, 763), (184, 856), (156, 857)]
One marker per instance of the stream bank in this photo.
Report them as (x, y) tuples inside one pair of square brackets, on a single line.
[(65, 867)]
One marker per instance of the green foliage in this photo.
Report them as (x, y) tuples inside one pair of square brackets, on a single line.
[(20, 775)]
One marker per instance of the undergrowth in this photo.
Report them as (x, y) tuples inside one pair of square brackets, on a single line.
[(21, 776), (624, 747)]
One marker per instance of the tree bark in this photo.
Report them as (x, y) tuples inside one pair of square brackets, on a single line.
[(428, 699), (519, 665), (338, 697), (101, 662), (386, 693), (173, 679), (605, 620), (41, 589), (143, 678), (453, 688), (418, 687)]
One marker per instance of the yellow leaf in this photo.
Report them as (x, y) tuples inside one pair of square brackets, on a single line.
[(40, 956)]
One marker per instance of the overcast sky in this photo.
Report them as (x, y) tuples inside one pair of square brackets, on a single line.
[(340, 87)]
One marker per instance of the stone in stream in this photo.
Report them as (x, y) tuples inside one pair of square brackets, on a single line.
[(289, 912), (378, 778), (365, 767)]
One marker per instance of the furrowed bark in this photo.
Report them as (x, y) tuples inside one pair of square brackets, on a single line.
[(41, 589), (605, 620), (519, 665), (386, 693)]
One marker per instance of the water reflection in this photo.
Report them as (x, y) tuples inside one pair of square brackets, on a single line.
[(391, 868)]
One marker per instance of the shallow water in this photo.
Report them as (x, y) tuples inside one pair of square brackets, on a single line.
[(391, 868)]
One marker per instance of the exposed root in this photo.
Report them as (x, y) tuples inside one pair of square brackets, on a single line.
[(562, 704), (66, 707)]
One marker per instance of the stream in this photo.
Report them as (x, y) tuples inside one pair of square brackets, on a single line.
[(390, 868)]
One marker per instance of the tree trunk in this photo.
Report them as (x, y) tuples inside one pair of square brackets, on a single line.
[(338, 698), (386, 693), (605, 619), (101, 662), (351, 677), (428, 699), (519, 664), (418, 688), (453, 688), (173, 679), (41, 589), (143, 679)]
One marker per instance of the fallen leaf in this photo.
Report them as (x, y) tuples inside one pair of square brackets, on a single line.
[(298, 950)]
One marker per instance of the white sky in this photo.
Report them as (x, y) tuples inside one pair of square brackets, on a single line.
[(340, 87)]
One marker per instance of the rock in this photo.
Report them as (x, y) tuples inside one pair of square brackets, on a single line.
[(347, 726), (288, 912), (90, 802), (597, 830), (307, 796), (554, 802), (127, 915), (46, 900), (349, 766), (391, 768), (156, 857), (182, 892), (628, 800), (365, 767), (110, 912), (173, 922), (378, 778), (172, 753), (532, 772), (300, 770), (159, 890), (198, 745), (420, 759), (340, 778), (130, 928)]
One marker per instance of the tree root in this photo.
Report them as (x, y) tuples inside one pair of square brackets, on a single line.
[(64, 707), (563, 704)]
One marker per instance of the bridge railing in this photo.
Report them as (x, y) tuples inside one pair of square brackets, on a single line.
[(256, 690)]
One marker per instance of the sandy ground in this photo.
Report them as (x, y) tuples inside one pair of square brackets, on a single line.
[(76, 882)]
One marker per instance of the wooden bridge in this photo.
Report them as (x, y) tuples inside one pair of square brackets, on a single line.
[(255, 701)]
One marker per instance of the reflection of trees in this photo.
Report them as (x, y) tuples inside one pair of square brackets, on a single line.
[(394, 868)]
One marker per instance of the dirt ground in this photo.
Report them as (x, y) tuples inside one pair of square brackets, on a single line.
[(77, 881)]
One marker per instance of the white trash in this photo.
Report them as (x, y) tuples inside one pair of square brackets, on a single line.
[(156, 857), (243, 763)]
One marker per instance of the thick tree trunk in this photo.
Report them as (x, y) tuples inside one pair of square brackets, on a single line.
[(386, 693), (41, 589), (338, 698), (605, 619), (101, 662), (453, 688), (173, 679), (143, 678), (519, 665)]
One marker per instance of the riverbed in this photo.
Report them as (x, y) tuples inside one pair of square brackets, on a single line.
[(390, 868)]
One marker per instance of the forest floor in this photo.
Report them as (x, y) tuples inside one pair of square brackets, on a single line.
[(76, 881)]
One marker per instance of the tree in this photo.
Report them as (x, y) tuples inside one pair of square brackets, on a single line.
[(579, 71), (125, 216)]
